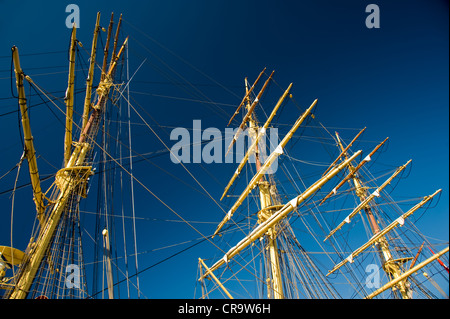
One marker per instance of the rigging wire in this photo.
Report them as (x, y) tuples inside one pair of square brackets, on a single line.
[(131, 168), (19, 165), (183, 60), (181, 163)]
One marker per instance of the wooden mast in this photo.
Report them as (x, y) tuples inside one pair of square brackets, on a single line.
[(72, 178), (90, 78), (281, 213), (109, 276), (274, 282), (272, 211), (106, 50), (408, 273), (249, 111), (70, 97), (390, 265), (29, 150)]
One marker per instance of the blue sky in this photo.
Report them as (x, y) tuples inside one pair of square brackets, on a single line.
[(392, 80)]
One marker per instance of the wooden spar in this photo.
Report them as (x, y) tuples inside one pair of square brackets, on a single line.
[(249, 113), (399, 221), (277, 106), (364, 203), (29, 150), (435, 284), (70, 98), (277, 216), (73, 176), (344, 151), (407, 274), (210, 273), (116, 38), (105, 52), (113, 63), (246, 96), (417, 255), (270, 160), (102, 90), (258, 97), (391, 266), (260, 134), (361, 164), (90, 78)]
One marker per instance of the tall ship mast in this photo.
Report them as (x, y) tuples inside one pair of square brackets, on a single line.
[(322, 225), (286, 269), (55, 244)]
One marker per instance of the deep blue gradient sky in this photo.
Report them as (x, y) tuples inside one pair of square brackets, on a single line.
[(393, 80)]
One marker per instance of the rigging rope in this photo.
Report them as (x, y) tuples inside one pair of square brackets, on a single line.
[(19, 165)]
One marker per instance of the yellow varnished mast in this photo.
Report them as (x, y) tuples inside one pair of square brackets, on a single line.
[(272, 211), (392, 267), (70, 179)]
